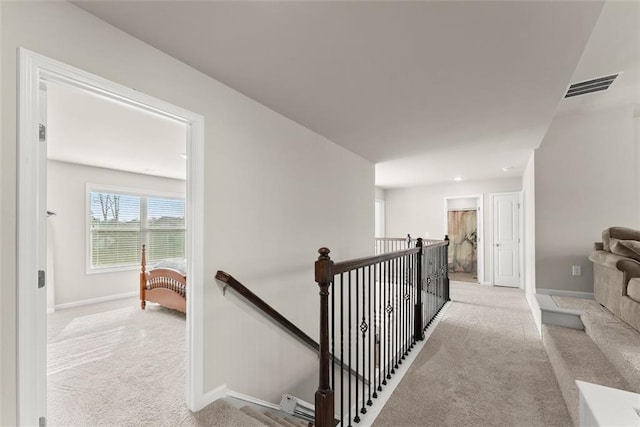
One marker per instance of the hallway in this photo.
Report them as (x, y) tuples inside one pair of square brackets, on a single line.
[(484, 365)]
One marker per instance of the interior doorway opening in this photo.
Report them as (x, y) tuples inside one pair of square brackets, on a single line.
[(463, 225), (116, 180), (35, 70)]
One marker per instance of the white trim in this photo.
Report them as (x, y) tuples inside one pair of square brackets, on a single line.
[(95, 300), (133, 191), (253, 400), (536, 313), (382, 217), (211, 396), (33, 69), (521, 237), (30, 403), (128, 191), (562, 293), (480, 245)]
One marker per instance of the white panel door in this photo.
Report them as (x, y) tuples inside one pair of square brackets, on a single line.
[(506, 239)]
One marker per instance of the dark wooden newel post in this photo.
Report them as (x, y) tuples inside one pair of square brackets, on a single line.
[(324, 394), (418, 330), (446, 269)]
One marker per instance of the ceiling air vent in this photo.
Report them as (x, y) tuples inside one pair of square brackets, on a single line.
[(594, 85)]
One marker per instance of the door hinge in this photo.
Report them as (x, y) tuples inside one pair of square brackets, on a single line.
[(42, 133), (42, 422), (41, 279)]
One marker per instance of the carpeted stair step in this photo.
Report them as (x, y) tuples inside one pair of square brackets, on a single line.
[(286, 421), (619, 342), (272, 420), (574, 356)]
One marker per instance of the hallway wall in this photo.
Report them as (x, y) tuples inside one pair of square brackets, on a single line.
[(586, 179), (421, 210), (274, 193)]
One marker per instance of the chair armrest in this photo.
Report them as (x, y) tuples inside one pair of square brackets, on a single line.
[(630, 267)]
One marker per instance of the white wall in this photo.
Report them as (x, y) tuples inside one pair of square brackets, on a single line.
[(379, 193), (636, 135), (585, 182), (462, 203), (275, 192), (529, 246), (420, 210), (66, 196)]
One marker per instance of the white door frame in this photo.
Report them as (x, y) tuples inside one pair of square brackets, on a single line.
[(480, 219), (521, 236), (382, 217), (33, 69)]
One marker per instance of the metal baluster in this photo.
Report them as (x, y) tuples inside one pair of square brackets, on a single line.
[(363, 329), (357, 417), (349, 346), (333, 339), (388, 309), (372, 322), (379, 331), (405, 300), (383, 325), (392, 323), (402, 310), (398, 307), (341, 348)]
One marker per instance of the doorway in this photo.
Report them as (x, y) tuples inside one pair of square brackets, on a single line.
[(463, 225), (115, 180), (506, 243), (34, 71)]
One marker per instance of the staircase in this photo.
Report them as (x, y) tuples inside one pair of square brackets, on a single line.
[(604, 350), (272, 419)]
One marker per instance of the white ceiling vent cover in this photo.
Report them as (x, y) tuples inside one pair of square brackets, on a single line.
[(589, 86)]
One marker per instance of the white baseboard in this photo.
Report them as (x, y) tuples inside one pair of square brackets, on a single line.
[(562, 293), (253, 400), (93, 301), (211, 396), (535, 310)]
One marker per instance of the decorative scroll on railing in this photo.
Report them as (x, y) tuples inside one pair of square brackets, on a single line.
[(372, 311)]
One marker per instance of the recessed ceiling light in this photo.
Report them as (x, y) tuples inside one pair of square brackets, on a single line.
[(507, 168), (183, 155), (458, 178)]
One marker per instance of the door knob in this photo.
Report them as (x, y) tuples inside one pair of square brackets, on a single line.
[(497, 244)]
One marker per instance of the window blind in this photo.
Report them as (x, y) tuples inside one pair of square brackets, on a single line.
[(121, 223)]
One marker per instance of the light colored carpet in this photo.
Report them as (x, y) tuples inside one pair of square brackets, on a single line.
[(617, 340), (112, 364), (484, 365), (585, 304), (574, 356), (464, 277)]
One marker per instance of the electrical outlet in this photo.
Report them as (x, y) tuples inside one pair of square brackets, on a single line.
[(576, 270)]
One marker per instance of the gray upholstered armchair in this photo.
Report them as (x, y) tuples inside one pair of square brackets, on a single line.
[(616, 273)]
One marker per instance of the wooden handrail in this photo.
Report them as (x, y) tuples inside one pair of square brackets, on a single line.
[(228, 279), (354, 264), (267, 309)]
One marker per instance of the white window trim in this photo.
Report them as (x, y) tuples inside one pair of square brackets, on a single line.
[(138, 192)]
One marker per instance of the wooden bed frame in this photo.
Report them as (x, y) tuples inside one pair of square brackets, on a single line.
[(164, 286)]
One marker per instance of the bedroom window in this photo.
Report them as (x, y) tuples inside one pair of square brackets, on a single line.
[(121, 222)]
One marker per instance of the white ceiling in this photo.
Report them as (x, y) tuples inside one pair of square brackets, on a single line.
[(90, 129), (426, 90)]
